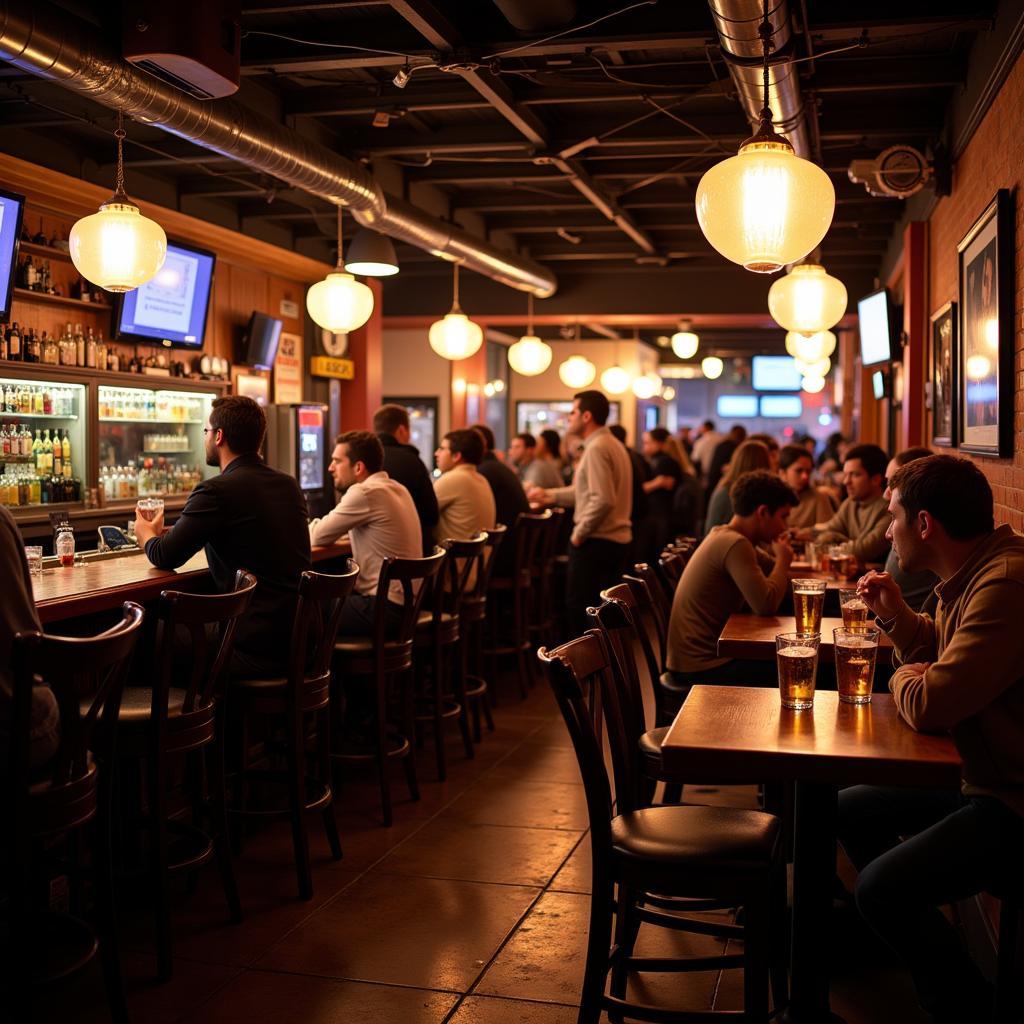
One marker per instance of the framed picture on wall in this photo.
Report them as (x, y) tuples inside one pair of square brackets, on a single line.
[(945, 376), (985, 258), (251, 385)]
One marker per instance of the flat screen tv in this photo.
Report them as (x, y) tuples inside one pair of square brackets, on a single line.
[(774, 373), (737, 406), (171, 308), (875, 321), (12, 207), (261, 340), (789, 407), (878, 384)]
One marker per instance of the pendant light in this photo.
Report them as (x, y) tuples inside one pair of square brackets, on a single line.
[(765, 207), (810, 348), (455, 336), (577, 372), (807, 300), (812, 385), (712, 367), (529, 356), (615, 380), (647, 386), (684, 342), (817, 368), (117, 248), (339, 303), (371, 254)]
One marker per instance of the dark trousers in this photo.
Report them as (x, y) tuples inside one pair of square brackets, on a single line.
[(593, 566), (738, 672), (957, 848)]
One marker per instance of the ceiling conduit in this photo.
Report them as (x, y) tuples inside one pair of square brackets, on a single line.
[(54, 45)]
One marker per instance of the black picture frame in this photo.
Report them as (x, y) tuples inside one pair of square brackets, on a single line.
[(945, 376), (985, 274)]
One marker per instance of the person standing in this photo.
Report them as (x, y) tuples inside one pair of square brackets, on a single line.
[(720, 458), (601, 496), (704, 446), (464, 498), (665, 473), (639, 510)]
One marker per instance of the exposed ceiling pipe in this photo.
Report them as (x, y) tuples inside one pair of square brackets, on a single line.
[(52, 44), (737, 22)]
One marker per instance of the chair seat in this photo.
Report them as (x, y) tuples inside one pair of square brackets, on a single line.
[(449, 628), (667, 681), (137, 703), (650, 744)]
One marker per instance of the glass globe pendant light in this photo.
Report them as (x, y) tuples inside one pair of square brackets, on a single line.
[(766, 206), (529, 356), (817, 368), (117, 248), (810, 348), (647, 386), (615, 380), (712, 367), (812, 385), (577, 372), (807, 300), (684, 342), (339, 303), (455, 336)]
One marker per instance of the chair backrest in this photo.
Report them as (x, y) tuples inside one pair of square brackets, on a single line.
[(661, 599), (672, 564), (647, 615), (87, 677), (417, 578), (648, 650), (464, 560), (477, 593), (548, 547), (207, 659), (531, 529), (322, 598)]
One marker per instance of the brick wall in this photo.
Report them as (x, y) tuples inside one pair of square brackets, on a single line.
[(994, 159)]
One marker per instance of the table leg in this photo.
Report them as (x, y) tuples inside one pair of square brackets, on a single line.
[(814, 865)]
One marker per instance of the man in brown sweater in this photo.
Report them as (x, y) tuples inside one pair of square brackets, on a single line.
[(726, 573), (963, 673)]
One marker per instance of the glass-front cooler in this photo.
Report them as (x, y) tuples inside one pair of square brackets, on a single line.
[(42, 442), (151, 441)]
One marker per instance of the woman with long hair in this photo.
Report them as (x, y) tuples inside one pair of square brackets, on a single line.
[(749, 456)]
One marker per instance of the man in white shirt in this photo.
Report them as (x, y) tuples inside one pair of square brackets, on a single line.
[(379, 517), (464, 498), (705, 445)]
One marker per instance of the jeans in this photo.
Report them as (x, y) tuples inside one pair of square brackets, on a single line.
[(593, 566), (957, 848), (357, 615)]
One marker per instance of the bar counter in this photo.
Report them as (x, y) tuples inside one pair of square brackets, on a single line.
[(104, 585)]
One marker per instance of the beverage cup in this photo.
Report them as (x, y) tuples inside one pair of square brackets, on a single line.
[(148, 508), (796, 656), (34, 557), (856, 652), (65, 548), (808, 602), (855, 612)]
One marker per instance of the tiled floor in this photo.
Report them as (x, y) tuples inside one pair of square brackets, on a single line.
[(471, 909)]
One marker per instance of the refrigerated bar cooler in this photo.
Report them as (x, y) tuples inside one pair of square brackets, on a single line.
[(297, 444)]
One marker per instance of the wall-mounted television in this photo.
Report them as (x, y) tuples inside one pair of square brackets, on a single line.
[(876, 324), (878, 384), (261, 341), (737, 406), (171, 308), (774, 373), (788, 407), (12, 208)]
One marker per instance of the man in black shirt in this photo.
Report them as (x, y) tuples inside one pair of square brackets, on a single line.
[(509, 498), (402, 462), (641, 501), (250, 517)]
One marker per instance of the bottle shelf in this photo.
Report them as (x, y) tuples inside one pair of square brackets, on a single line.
[(34, 416), (58, 300), (146, 421), (167, 451), (17, 460), (46, 251)]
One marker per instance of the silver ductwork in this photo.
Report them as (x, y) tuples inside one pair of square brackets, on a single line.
[(56, 46), (737, 22)]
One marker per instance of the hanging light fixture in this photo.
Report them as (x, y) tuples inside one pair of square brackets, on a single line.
[(815, 368), (647, 386), (339, 303), (455, 336), (684, 342), (529, 356), (812, 385), (371, 254), (765, 207), (577, 372), (615, 380), (669, 393), (117, 248), (810, 348), (712, 367), (807, 300)]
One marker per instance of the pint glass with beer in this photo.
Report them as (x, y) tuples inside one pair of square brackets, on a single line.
[(797, 657), (856, 651), (855, 611), (808, 602)]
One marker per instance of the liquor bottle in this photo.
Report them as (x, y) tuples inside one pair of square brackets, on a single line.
[(65, 446), (29, 274), (50, 350), (90, 350), (56, 456), (113, 360), (37, 454), (47, 402), (3, 344), (25, 399), (39, 238), (47, 453), (14, 343), (38, 408), (5, 442), (79, 346), (30, 344)]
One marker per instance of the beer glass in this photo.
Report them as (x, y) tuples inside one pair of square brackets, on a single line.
[(796, 655), (808, 601), (856, 651), (149, 508), (64, 546), (34, 557), (855, 611)]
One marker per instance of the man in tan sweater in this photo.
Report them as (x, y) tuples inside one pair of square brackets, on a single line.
[(962, 673), (726, 573)]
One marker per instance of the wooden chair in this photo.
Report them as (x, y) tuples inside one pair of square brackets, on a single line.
[(385, 657), (542, 618), (182, 715), (289, 702), (87, 677), (720, 855)]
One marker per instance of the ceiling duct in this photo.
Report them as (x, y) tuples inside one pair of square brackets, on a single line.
[(737, 22), (52, 44), (537, 15)]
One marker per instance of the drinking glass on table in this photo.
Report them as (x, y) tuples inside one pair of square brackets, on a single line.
[(808, 602), (856, 651), (796, 655), (853, 608), (64, 546), (150, 508), (34, 557)]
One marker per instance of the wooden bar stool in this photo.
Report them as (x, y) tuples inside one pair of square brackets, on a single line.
[(289, 701), (542, 574), (73, 790)]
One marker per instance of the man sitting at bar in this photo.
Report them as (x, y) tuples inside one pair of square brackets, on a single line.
[(816, 503), (509, 499), (379, 517), (863, 517), (726, 573), (961, 672), (464, 497), (249, 517), (522, 454)]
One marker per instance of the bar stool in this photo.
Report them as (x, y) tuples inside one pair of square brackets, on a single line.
[(165, 720), (73, 790), (542, 574), (438, 633), (383, 658), (287, 701)]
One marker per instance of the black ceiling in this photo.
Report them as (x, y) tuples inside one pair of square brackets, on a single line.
[(643, 103)]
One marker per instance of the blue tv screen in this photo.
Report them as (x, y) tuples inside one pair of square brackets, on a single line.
[(774, 373), (171, 308), (12, 207)]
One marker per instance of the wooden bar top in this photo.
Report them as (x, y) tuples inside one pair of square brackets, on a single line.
[(103, 585), (753, 637), (741, 732)]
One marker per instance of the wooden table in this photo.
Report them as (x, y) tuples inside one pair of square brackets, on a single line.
[(737, 733), (753, 637), (102, 586)]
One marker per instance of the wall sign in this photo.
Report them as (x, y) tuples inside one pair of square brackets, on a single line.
[(289, 309), (288, 370), (325, 366)]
